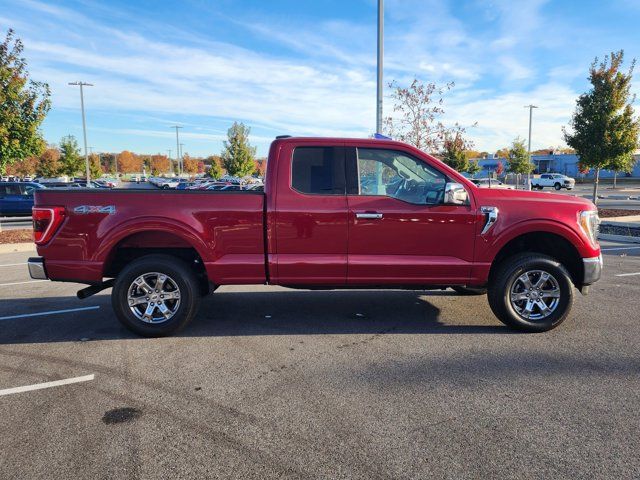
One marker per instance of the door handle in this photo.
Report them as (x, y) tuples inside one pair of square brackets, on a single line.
[(369, 215)]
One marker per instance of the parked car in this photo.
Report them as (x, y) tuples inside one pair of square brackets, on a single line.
[(490, 183), (554, 180), (16, 198), (314, 227)]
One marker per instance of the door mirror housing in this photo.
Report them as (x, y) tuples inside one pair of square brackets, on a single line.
[(455, 194)]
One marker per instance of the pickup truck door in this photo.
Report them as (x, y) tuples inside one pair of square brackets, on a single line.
[(310, 244), (400, 231)]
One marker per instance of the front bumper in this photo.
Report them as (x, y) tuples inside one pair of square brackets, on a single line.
[(592, 269), (36, 268)]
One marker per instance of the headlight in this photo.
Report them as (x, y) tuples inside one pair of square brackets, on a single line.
[(590, 224)]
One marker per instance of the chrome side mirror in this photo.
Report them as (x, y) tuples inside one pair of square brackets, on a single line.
[(455, 194)]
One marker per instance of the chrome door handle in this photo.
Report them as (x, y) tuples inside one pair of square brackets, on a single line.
[(371, 216)]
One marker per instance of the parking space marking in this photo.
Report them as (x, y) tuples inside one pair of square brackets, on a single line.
[(627, 274), (620, 248), (51, 312), (21, 283), (13, 264), (40, 386)]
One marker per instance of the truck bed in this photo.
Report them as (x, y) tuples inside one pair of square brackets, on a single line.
[(226, 230)]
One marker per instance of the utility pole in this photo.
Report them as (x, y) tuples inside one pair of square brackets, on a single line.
[(169, 150), (84, 125), (178, 149), (530, 107), (380, 58)]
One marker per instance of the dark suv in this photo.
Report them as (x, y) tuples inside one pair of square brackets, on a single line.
[(16, 198)]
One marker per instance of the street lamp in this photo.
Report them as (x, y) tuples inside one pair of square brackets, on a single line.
[(530, 107), (84, 124), (178, 148), (379, 72)]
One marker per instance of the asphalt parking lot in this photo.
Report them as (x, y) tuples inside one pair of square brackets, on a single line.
[(270, 382)]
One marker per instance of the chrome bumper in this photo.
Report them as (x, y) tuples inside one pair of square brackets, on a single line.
[(592, 269), (36, 268)]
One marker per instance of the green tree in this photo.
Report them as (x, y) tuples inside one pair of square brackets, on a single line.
[(453, 153), (473, 167), (238, 154), (605, 132), (23, 105), (95, 168), (71, 162), (215, 170), (518, 157)]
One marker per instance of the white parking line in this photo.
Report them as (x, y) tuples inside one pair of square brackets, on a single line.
[(627, 274), (13, 264), (51, 312), (21, 283), (620, 248), (40, 386)]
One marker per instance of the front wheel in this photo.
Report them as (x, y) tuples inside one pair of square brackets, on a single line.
[(156, 295), (531, 292), (557, 186)]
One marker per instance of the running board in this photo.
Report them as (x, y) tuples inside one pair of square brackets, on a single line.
[(93, 289)]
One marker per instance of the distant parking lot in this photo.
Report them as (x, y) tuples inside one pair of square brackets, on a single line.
[(270, 382)]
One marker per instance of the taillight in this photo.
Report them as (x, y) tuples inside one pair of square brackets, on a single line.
[(46, 221)]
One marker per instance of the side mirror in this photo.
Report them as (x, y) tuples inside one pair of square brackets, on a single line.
[(455, 194)]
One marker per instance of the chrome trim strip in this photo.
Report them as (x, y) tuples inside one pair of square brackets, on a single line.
[(492, 217)]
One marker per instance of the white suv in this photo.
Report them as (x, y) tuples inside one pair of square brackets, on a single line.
[(555, 180)]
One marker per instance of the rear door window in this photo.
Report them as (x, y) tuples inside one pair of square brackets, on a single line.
[(318, 170)]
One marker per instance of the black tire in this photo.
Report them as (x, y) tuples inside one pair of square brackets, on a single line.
[(557, 186), (470, 291), (179, 273), (509, 271)]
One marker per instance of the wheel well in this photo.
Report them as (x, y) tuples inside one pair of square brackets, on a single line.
[(546, 243), (155, 242)]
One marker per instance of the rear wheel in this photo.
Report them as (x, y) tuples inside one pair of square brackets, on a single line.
[(557, 186), (531, 292), (156, 295)]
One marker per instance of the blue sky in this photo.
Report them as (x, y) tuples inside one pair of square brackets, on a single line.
[(308, 67)]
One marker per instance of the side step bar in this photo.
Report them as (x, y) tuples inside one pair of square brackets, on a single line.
[(93, 289)]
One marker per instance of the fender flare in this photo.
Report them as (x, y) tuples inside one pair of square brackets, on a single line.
[(146, 224), (534, 226)]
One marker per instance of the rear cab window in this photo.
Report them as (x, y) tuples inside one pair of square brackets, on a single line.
[(318, 170)]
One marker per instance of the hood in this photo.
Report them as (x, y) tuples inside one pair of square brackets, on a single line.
[(534, 200)]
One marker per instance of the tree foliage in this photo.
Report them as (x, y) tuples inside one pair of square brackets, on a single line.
[(238, 154), (454, 151), (95, 169), (24, 104), (159, 164), (499, 168), (604, 129), (71, 163), (129, 162), (419, 109), (49, 163), (190, 165), (473, 167), (519, 157)]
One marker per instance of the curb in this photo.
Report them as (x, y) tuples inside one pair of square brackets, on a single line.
[(618, 238), (17, 247)]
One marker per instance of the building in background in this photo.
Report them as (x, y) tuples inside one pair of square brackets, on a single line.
[(564, 163)]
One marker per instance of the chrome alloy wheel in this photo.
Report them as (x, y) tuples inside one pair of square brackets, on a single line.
[(535, 294), (154, 297)]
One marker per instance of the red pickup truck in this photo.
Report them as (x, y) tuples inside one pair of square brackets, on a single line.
[(335, 213)]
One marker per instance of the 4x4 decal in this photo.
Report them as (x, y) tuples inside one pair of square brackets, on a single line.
[(84, 209)]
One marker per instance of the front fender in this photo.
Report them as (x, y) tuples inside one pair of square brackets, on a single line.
[(489, 245)]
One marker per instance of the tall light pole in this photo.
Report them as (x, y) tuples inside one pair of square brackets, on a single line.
[(169, 150), (178, 148), (530, 107), (84, 124), (380, 57)]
